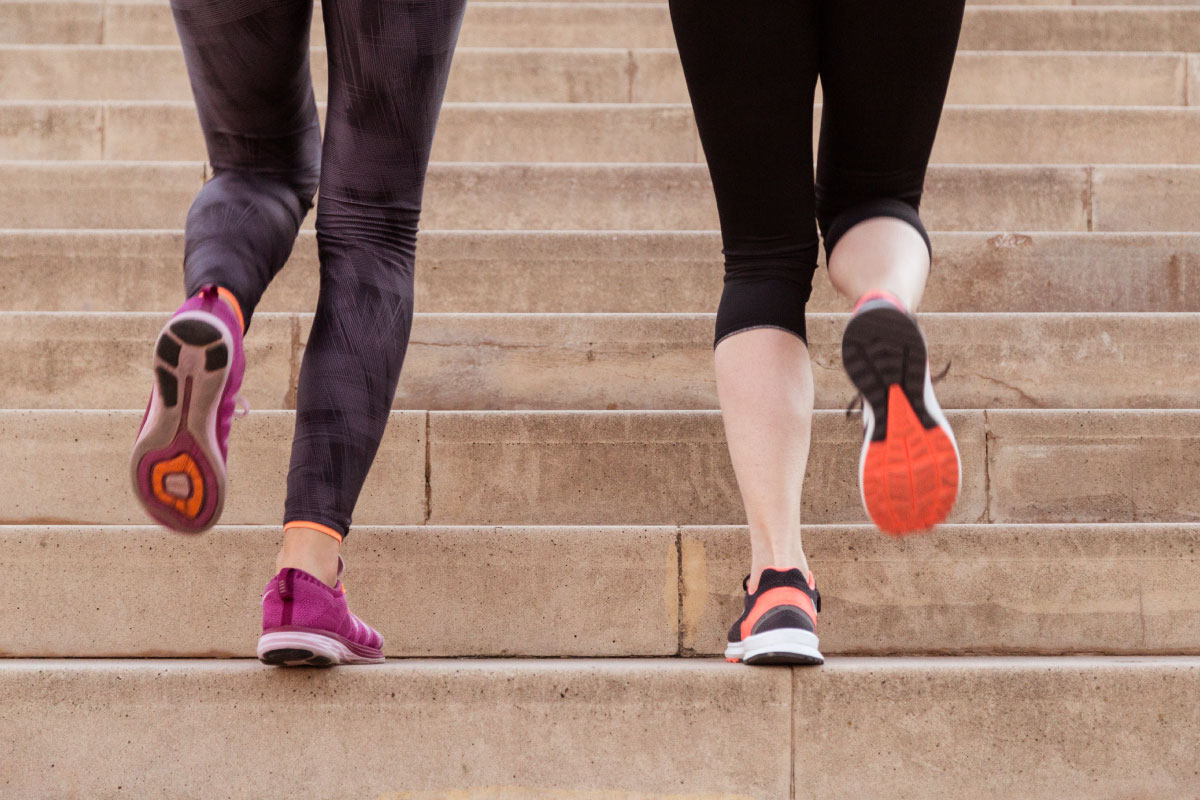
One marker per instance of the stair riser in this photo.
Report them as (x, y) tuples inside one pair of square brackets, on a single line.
[(615, 76), (607, 272), (606, 133), (625, 197), (422, 730), (492, 24), (624, 362), (612, 591), (589, 468)]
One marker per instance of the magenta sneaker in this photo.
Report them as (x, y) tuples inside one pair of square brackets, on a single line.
[(178, 462), (307, 624)]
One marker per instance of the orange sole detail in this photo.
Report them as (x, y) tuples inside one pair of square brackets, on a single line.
[(909, 480), (183, 469)]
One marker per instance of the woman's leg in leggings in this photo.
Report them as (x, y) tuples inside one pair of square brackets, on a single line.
[(884, 71), (751, 70), (250, 77), (388, 64)]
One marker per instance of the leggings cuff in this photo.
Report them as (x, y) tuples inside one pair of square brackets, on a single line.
[(315, 526), (883, 207)]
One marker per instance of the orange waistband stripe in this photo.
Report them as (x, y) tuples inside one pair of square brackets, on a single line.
[(228, 297), (313, 526)]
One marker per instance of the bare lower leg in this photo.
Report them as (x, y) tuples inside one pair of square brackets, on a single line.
[(312, 551), (765, 385), (881, 254)]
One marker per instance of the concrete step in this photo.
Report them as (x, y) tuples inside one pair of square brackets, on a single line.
[(543, 271), (637, 361), (623, 132), (623, 468), (419, 730), (98, 194), (1170, 26), (610, 591), (75, 72)]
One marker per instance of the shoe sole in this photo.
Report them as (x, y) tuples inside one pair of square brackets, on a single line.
[(794, 646), (177, 469), (308, 649), (909, 471)]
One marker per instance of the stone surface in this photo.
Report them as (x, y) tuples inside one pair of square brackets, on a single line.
[(72, 360), (72, 468), (1146, 198), (50, 131), (1120, 589), (540, 271), (640, 468), (614, 74), (623, 361), (60, 22), (546, 196), (607, 131), (1081, 28), (978, 728), (430, 591), (1093, 466), (448, 729)]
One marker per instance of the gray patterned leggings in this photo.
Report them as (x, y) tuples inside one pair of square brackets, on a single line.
[(249, 69)]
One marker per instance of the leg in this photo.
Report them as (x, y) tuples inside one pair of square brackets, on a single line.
[(884, 73), (751, 73), (388, 64), (249, 73), (250, 76), (884, 76)]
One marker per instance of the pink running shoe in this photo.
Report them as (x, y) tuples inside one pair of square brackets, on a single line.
[(178, 462), (307, 624)]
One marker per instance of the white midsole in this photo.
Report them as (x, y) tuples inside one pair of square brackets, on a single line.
[(326, 646), (780, 640)]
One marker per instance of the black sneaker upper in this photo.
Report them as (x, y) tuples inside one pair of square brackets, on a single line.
[(781, 616)]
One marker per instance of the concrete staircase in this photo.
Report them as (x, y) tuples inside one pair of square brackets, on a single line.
[(554, 481)]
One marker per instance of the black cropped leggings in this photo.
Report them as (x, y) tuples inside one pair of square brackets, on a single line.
[(751, 70), (249, 68)]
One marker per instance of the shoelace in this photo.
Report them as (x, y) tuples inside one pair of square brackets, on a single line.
[(243, 406), (856, 403)]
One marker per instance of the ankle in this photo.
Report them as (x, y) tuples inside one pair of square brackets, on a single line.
[(756, 570), (312, 551)]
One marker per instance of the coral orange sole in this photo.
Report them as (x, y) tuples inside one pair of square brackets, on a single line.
[(910, 479)]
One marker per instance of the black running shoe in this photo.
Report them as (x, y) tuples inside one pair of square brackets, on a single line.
[(779, 625)]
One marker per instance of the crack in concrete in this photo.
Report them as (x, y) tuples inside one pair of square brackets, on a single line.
[(987, 467), (1033, 401), (428, 469)]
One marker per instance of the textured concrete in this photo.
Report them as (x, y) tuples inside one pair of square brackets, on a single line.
[(1146, 198), (605, 132), (1121, 589), (640, 468), (39, 22), (430, 591), (449, 729), (50, 194), (51, 131), (981, 728), (588, 591), (1093, 466), (624, 361), (1081, 28), (72, 467), (632, 271), (71, 360), (614, 74)]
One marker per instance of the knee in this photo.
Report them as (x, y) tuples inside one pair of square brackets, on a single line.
[(766, 287), (835, 221)]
